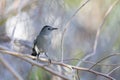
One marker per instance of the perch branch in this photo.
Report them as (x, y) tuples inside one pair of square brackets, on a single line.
[(29, 58)]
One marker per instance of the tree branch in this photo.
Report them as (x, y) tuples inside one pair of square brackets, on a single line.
[(66, 27), (6, 64), (98, 33), (29, 58)]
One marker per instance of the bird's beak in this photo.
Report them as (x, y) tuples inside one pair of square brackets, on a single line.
[(54, 28)]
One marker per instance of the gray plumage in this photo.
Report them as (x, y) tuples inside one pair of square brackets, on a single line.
[(42, 41)]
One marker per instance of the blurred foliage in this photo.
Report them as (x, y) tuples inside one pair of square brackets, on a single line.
[(76, 56), (39, 74), (94, 11), (73, 3), (117, 45), (2, 21), (111, 26)]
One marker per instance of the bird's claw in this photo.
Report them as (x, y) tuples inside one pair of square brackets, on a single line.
[(49, 61)]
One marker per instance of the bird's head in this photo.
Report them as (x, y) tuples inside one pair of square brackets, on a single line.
[(46, 30)]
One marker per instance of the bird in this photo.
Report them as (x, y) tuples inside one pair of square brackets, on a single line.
[(43, 41)]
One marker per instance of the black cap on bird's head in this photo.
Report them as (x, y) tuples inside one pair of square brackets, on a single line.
[(47, 29)]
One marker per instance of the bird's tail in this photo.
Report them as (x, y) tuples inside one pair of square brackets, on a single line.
[(33, 52)]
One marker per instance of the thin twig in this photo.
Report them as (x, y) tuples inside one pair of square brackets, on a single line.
[(25, 58), (98, 33), (100, 64), (104, 59), (78, 75), (48, 9), (6, 64), (66, 27), (15, 26), (29, 59), (88, 62), (13, 32), (113, 70), (94, 72), (5, 48)]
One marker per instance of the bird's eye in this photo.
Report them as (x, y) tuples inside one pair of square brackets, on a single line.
[(49, 29)]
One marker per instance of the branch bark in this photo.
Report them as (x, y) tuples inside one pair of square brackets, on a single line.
[(30, 58)]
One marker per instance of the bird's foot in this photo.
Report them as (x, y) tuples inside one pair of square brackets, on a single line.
[(37, 58), (49, 61)]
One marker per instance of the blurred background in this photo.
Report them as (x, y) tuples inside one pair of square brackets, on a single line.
[(22, 20)]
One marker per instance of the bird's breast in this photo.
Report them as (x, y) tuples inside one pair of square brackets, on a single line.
[(43, 43)]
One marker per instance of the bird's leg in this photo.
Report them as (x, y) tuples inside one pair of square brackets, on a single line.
[(38, 57), (48, 58), (46, 54)]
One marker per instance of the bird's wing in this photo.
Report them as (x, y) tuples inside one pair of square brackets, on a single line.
[(35, 42), (34, 52)]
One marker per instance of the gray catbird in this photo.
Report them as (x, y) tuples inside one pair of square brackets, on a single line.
[(42, 41)]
